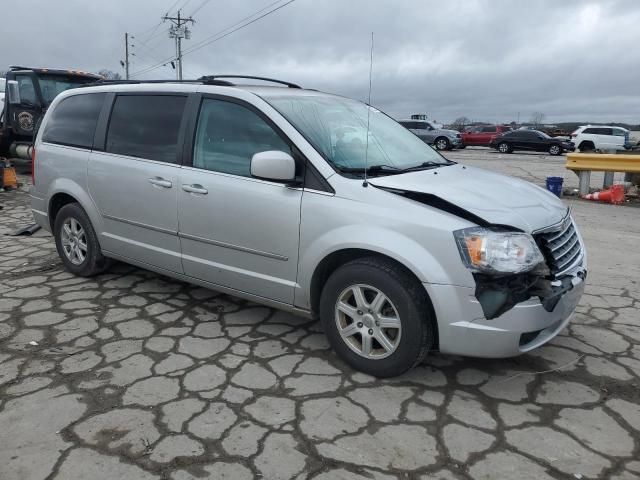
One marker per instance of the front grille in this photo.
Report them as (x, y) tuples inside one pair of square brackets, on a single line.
[(561, 246)]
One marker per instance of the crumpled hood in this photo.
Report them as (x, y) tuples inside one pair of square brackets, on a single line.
[(495, 198)]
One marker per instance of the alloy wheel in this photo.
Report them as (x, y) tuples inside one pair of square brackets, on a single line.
[(503, 147), (74, 241), (441, 144), (368, 322)]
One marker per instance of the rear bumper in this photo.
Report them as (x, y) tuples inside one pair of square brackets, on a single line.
[(39, 210), (463, 329)]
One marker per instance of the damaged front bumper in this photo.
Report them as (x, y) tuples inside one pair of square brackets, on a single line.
[(464, 329)]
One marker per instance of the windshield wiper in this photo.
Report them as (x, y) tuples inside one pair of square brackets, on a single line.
[(426, 166), (372, 169)]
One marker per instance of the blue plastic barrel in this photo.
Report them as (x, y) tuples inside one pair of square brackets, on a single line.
[(554, 185)]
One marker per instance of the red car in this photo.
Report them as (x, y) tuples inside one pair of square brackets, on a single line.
[(482, 135)]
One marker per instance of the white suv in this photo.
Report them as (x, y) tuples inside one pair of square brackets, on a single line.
[(600, 137)]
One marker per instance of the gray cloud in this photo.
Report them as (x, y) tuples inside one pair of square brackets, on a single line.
[(485, 59)]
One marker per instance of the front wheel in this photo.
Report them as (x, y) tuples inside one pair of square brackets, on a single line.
[(77, 242), (377, 317), (442, 143), (504, 148), (555, 150)]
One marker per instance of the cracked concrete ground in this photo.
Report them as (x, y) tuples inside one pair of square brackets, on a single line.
[(132, 375)]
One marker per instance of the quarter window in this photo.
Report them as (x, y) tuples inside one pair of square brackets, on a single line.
[(73, 122), (228, 135), (146, 126)]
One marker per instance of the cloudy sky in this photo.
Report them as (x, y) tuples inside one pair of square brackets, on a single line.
[(488, 60)]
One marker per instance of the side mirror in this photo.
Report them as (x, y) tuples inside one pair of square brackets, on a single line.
[(14, 92), (273, 165)]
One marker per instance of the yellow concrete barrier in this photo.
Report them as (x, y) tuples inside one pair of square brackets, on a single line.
[(603, 162)]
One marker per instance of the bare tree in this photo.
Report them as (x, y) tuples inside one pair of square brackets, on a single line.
[(110, 74), (537, 118), (460, 122)]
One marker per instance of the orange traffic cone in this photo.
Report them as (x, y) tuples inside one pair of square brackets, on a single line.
[(614, 195)]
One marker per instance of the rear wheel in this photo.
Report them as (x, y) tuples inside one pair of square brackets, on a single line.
[(504, 147), (377, 317), (77, 242), (442, 143), (555, 150)]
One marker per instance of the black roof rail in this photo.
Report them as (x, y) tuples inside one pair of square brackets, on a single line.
[(209, 78), (139, 82), (204, 80)]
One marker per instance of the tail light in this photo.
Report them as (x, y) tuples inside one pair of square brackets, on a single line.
[(33, 166)]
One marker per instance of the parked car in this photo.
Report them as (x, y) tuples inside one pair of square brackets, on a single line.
[(556, 132), (247, 190), (600, 137), (431, 134), (532, 140), (482, 135)]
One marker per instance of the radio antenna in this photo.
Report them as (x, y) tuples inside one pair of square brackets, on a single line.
[(366, 149)]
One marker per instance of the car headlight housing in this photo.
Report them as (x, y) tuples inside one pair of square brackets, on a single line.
[(490, 251)]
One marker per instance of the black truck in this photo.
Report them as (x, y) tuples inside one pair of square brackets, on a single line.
[(28, 94)]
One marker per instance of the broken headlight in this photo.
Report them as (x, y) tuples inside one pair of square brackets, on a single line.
[(490, 251)]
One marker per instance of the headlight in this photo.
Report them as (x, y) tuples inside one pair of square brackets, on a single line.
[(487, 251)]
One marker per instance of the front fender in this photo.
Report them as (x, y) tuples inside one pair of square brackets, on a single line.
[(395, 245)]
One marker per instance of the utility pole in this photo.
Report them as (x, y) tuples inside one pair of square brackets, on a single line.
[(179, 30), (126, 56)]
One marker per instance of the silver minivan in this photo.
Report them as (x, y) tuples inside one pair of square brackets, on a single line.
[(308, 202)]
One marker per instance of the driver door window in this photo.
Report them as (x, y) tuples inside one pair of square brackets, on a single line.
[(228, 136)]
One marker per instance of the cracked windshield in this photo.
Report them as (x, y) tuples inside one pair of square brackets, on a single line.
[(337, 128)]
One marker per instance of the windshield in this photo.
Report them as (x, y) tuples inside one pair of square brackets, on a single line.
[(52, 85), (337, 128)]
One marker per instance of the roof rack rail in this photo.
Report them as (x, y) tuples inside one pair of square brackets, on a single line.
[(209, 78), (204, 80), (138, 82)]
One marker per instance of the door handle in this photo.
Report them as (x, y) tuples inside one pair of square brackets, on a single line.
[(195, 188), (160, 182)]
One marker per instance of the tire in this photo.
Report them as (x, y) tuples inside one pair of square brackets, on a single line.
[(72, 228), (587, 147), (462, 147), (504, 147), (405, 304), (442, 143), (555, 150)]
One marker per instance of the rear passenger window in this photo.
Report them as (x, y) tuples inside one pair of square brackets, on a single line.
[(488, 129), (73, 122), (146, 126), (229, 134)]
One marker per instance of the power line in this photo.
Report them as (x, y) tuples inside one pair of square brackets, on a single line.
[(199, 7), (220, 35), (206, 42)]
